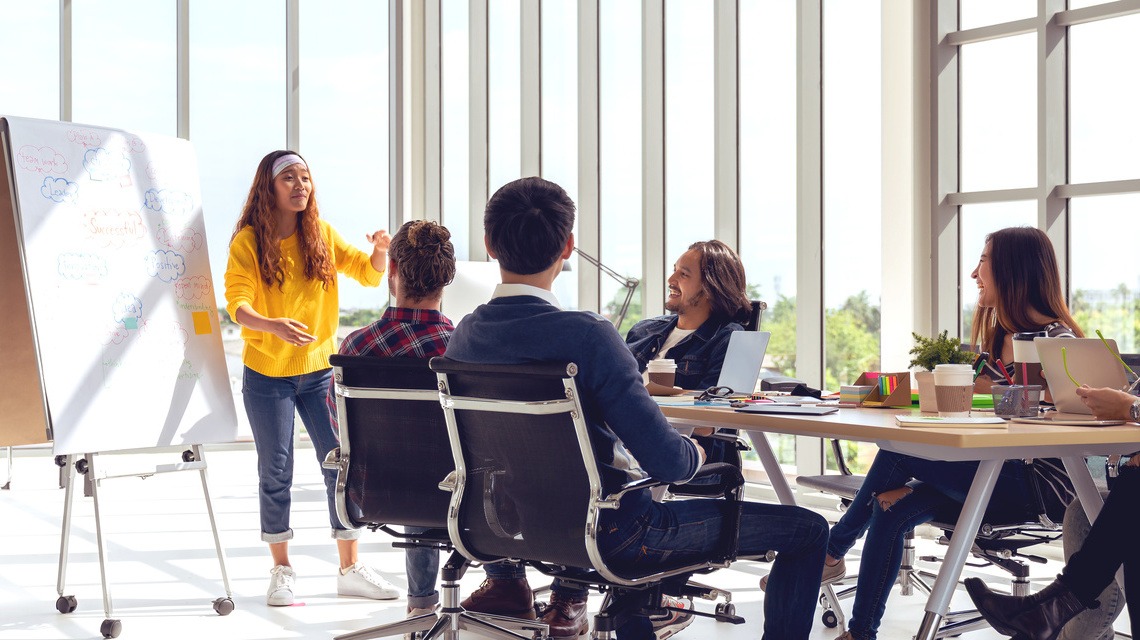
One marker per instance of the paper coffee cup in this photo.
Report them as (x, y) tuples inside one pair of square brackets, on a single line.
[(1024, 349), (954, 388), (662, 372)]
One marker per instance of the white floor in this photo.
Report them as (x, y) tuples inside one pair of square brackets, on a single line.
[(163, 572)]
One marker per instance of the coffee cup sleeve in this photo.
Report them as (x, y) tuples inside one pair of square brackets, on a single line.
[(661, 390)]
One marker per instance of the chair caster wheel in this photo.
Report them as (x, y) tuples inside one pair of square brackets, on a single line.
[(830, 620), (66, 604), (111, 628), (726, 609), (224, 606)]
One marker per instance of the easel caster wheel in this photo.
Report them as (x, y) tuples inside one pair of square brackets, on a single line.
[(111, 628), (726, 609), (188, 456), (224, 606), (830, 620), (81, 466), (65, 604)]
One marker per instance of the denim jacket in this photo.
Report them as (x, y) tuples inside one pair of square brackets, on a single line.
[(699, 357)]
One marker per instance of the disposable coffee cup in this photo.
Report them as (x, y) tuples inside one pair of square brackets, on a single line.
[(1026, 361), (954, 388), (662, 372)]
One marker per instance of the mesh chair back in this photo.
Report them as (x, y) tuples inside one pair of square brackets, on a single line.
[(394, 436), (526, 475)]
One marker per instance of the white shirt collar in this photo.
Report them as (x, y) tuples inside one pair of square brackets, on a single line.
[(509, 290)]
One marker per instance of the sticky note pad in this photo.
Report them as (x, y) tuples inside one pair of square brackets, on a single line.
[(131, 323), (202, 324)]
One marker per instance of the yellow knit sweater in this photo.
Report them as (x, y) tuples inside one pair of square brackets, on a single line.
[(300, 298)]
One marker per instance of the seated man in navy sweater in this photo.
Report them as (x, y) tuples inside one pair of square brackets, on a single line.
[(527, 228)]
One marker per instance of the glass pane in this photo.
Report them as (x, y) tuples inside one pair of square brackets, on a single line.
[(504, 58), (29, 86), (979, 13), (236, 49), (767, 140), (767, 149), (689, 163), (124, 62), (456, 126), (560, 117), (852, 199), (999, 114), (620, 150), (1105, 285), (344, 89), (977, 221), (1103, 131)]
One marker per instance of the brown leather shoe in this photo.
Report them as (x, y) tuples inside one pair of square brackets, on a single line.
[(512, 598), (566, 616)]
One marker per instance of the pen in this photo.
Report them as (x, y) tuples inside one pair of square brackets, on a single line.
[(1001, 367), (978, 368)]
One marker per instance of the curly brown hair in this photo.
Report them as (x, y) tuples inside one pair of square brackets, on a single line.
[(259, 213), (424, 258)]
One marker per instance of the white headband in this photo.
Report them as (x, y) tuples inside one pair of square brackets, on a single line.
[(289, 160)]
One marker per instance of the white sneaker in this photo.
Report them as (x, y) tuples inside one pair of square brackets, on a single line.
[(672, 622), (280, 593), (419, 611), (362, 582)]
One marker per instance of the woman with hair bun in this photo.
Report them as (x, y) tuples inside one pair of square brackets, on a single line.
[(281, 287)]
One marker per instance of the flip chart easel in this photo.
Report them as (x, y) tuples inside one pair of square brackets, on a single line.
[(112, 332)]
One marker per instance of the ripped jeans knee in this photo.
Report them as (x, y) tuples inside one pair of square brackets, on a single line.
[(888, 499)]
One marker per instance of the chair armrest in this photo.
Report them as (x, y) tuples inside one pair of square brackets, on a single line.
[(733, 437), (613, 501), (332, 460)]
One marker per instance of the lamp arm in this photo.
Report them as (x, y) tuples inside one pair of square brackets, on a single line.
[(629, 283)]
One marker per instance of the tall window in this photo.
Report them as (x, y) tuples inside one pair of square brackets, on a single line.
[(559, 134), (454, 82), (29, 41)]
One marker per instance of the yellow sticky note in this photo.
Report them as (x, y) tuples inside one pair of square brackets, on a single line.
[(202, 322)]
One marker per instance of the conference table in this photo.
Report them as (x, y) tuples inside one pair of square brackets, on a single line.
[(990, 447)]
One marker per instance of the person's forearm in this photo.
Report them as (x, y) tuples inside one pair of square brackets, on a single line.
[(247, 317)]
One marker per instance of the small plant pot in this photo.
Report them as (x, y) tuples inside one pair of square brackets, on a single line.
[(927, 398)]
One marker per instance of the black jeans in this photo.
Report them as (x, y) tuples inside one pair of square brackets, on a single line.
[(1112, 541)]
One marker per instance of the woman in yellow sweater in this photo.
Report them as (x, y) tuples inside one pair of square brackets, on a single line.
[(281, 287)]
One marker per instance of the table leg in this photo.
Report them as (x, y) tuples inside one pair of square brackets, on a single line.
[(763, 449), (1089, 496), (960, 544)]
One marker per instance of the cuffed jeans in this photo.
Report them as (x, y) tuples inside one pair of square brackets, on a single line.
[(685, 531), (942, 490), (422, 565), (270, 404)]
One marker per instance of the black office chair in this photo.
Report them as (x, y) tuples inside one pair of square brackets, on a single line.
[(527, 487), (393, 453), (756, 316)]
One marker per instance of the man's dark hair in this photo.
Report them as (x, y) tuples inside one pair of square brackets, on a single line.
[(723, 279), (527, 223)]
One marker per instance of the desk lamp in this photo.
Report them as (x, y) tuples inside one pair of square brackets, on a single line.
[(629, 283)]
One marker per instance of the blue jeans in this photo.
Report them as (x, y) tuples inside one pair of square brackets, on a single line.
[(942, 490), (688, 530), (270, 404), (422, 565)]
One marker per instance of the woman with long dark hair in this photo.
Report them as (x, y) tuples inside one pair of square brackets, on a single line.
[(1019, 289), (281, 287)]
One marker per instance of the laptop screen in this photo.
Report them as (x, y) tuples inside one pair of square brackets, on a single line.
[(743, 360)]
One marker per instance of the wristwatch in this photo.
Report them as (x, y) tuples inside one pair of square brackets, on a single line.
[(1134, 411)]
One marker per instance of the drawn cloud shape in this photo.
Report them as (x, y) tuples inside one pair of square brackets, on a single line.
[(186, 240), (194, 288), (117, 334), (172, 203), (105, 165), (126, 306), (81, 266), (59, 190), (164, 332), (85, 137), (114, 227), (41, 159), (167, 266)]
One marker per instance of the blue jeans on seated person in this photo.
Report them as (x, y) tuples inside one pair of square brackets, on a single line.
[(422, 565), (686, 531), (942, 491), (270, 404)]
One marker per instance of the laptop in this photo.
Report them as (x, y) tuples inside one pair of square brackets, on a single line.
[(743, 360), (1089, 362)]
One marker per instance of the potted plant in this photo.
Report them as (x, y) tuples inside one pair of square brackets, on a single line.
[(928, 353)]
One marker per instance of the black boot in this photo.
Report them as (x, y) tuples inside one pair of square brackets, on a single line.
[(1039, 616)]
